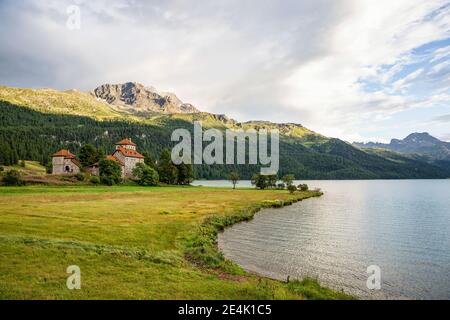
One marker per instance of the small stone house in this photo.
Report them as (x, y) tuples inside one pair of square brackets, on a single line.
[(64, 162), (125, 155)]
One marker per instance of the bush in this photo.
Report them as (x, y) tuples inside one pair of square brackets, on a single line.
[(95, 180), (303, 187), (292, 188), (2, 169), (12, 178), (79, 177), (22, 163), (145, 175)]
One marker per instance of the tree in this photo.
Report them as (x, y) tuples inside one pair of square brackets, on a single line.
[(149, 160), (145, 175), (12, 178), (288, 179), (272, 180), (110, 172), (292, 188), (49, 167), (234, 178), (185, 174), (168, 172), (281, 186), (88, 155), (303, 187), (260, 181)]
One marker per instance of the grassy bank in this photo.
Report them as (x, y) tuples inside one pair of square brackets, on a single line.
[(132, 243)]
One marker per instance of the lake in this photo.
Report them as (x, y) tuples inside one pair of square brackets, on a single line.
[(401, 226)]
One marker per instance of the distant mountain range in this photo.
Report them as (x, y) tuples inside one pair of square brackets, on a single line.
[(36, 123), (415, 144)]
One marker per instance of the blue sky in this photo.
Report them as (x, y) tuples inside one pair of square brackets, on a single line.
[(359, 70)]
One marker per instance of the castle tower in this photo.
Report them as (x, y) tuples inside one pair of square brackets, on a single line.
[(126, 153), (126, 144)]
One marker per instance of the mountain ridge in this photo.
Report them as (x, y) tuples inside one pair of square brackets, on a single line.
[(35, 123), (139, 99), (415, 143)]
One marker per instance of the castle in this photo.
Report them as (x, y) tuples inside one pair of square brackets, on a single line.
[(65, 163)]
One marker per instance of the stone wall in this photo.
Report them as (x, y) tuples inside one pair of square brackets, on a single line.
[(60, 165)]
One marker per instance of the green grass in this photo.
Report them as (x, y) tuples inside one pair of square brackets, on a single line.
[(133, 243)]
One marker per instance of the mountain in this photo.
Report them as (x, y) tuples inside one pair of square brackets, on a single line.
[(138, 99), (416, 143), (35, 123)]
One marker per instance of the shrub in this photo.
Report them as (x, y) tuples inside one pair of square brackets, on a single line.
[(145, 175), (292, 188), (2, 169), (79, 177), (12, 178), (95, 180), (303, 187)]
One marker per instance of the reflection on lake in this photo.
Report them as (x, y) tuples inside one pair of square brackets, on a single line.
[(402, 226)]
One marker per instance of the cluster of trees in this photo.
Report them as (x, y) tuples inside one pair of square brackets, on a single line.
[(168, 172), (8, 155), (150, 173), (272, 181)]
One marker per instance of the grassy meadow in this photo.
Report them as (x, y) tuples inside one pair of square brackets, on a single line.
[(132, 243)]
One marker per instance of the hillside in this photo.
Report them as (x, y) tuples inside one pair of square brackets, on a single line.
[(35, 123)]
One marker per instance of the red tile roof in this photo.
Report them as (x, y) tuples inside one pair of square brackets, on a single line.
[(65, 154), (126, 142), (76, 162), (112, 158), (130, 153)]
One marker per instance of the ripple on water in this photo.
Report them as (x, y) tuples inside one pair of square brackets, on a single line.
[(401, 226)]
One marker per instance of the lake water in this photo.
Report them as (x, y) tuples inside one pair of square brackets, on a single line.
[(402, 226)]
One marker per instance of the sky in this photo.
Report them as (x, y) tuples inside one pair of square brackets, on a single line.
[(359, 70)]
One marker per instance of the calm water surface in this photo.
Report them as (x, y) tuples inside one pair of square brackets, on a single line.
[(401, 226)]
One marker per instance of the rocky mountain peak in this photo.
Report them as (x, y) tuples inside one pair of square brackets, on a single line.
[(136, 98), (424, 137)]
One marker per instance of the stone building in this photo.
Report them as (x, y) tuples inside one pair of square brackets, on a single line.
[(125, 155), (64, 162)]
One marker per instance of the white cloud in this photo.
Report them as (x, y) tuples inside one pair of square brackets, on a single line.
[(296, 61)]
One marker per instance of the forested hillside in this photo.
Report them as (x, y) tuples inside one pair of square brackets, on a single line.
[(33, 135), (36, 123)]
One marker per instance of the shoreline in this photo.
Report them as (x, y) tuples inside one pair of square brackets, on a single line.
[(202, 250)]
